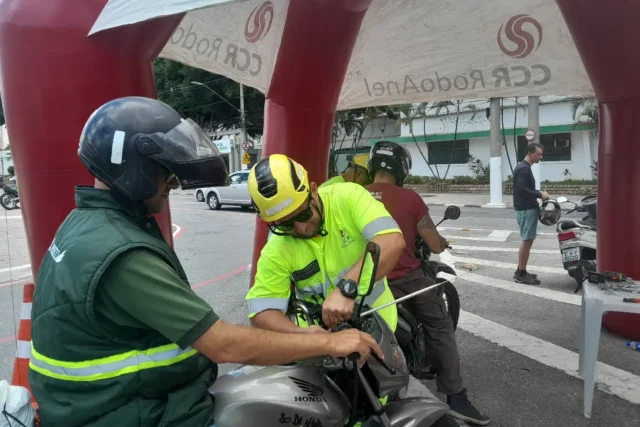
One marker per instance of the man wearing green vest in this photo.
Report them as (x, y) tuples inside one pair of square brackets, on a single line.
[(118, 336), (356, 171), (318, 242)]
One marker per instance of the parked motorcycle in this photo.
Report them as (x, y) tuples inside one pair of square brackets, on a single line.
[(410, 333), (10, 199), (328, 391), (577, 239)]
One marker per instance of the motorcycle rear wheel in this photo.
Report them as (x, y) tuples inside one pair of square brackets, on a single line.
[(8, 202)]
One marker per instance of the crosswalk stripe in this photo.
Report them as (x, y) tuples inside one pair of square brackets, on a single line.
[(545, 293), (549, 294), (514, 267), (463, 229), (515, 250), (609, 379), (500, 235), (478, 239)]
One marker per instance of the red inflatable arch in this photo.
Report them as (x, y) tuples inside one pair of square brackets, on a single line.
[(54, 77)]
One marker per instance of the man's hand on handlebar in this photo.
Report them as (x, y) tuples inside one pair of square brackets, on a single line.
[(345, 343), (336, 308)]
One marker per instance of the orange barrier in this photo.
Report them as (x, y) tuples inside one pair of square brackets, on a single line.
[(23, 348)]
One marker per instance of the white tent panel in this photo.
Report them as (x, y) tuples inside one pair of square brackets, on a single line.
[(407, 50)]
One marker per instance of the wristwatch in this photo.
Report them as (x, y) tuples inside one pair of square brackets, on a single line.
[(348, 288)]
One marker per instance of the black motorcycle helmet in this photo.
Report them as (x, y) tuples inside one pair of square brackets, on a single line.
[(127, 141), (550, 212), (391, 157)]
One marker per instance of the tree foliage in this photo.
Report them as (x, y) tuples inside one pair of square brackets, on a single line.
[(214, 111)]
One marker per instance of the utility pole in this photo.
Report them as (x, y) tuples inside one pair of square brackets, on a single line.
[(495, 161), (243, 133), (534, 124), (235, 157)]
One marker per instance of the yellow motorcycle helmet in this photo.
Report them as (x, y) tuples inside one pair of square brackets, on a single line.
[(278, 186)]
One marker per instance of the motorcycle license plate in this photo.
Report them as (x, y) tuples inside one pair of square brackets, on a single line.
[(570, 254)]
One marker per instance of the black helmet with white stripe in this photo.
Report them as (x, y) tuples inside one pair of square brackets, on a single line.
[(392, 157), (127, 141)]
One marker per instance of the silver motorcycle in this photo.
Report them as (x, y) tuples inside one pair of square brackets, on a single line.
[(329, 391), (577, 239)]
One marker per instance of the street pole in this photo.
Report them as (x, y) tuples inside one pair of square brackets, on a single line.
[(243, 134), (495, 161), (534, 124)]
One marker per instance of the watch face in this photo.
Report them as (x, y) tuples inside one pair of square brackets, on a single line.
[(349, 287)]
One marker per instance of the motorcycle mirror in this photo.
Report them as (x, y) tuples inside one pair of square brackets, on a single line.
[(452, 212), (562, 199), (373, 249)]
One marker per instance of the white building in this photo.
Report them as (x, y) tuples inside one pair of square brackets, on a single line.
[(569, 148)]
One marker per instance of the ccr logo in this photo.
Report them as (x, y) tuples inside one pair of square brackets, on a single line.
[(258, 18), (525, 41)]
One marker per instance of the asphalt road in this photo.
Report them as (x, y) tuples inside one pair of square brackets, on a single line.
[(517, 343)]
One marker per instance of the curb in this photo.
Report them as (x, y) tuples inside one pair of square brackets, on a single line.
[(468, 205)]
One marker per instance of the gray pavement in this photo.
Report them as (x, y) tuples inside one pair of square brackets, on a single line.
[(517, 343)]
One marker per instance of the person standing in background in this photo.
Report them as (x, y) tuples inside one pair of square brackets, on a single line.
[(525, 202)]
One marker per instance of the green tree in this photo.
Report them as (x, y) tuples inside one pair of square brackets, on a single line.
[(219, 110)]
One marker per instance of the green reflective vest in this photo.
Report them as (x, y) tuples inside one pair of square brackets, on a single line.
[(83, 372), (352, 218)]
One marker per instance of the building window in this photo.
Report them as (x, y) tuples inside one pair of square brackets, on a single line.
[(443, 152), (557, 147)]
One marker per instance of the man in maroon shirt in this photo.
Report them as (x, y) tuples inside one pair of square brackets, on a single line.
[(389, 165)]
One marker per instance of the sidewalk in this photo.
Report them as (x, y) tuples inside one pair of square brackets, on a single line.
[(444, 199)]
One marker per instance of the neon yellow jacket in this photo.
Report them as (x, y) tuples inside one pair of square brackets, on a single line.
[(352, 218), (338, 179)]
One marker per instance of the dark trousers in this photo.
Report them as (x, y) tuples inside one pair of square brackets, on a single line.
[(429, 309)]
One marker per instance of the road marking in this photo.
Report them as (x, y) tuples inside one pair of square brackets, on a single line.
[(500, 235), (489, 229), (478, 239), (17, 267), (514, 267), (535, 291), (492, 249), (14, 217), (609, 379)]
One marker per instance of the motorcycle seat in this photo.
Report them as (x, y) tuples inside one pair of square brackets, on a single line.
[(568, 225)]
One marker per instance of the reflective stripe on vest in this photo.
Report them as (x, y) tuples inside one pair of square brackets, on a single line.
[(109, 367), (257, 305)]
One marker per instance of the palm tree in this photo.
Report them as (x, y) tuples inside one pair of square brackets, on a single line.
[(586, 110)]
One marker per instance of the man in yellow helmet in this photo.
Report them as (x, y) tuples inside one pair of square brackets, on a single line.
[(356, 171), (317, 245)]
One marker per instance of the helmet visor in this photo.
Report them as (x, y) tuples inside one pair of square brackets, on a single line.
[(190, 153)]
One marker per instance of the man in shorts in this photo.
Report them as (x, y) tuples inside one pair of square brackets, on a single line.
[(525, 202)]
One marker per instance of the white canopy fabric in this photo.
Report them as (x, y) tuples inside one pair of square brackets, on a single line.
[(407, 50)]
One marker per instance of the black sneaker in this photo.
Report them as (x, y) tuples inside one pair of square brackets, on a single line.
[(526, 278), (461, 408), (526, 273)]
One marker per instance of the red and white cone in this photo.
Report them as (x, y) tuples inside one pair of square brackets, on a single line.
[(23, 352)]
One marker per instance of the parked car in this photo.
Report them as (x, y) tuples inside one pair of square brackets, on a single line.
[(236, 193)]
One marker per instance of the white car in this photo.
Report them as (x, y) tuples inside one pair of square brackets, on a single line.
[(236, 193)]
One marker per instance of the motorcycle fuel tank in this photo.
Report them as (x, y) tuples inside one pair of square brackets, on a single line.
[(275, 396)]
